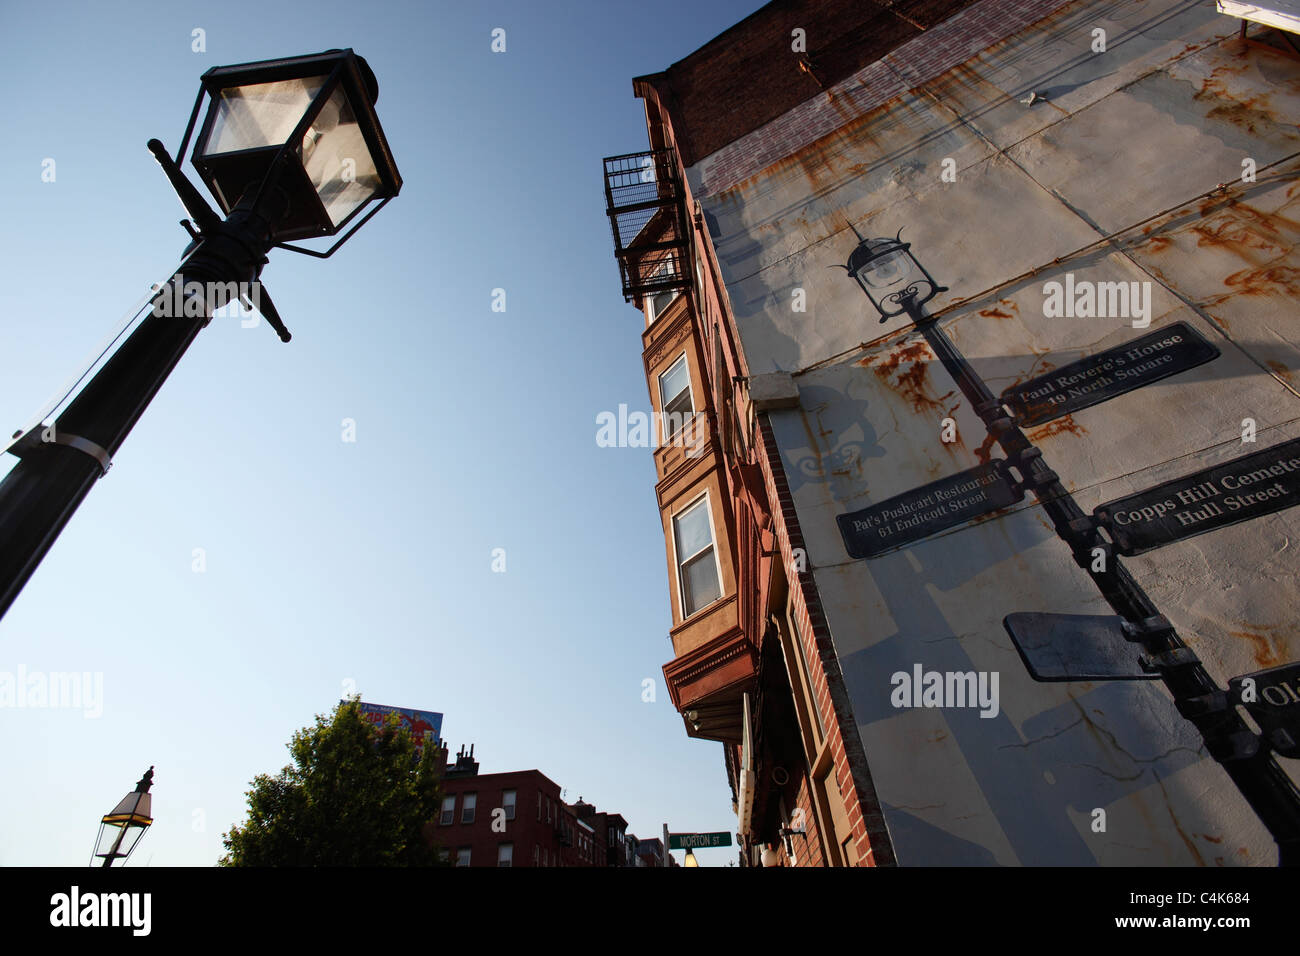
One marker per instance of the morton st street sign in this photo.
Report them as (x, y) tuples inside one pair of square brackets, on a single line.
[(697, 841)]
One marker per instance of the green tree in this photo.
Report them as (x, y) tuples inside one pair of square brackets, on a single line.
[(357, 795)]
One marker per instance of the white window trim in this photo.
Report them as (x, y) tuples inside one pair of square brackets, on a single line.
[(663, 402), (717, 562), (652, 312)]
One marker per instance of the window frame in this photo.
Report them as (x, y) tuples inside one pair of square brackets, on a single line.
[(447, 816), (678, 562), (663, 267), (663, 402), (469, 807), (510, 805)]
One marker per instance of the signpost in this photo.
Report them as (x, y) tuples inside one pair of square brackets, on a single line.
[(929, 509), (1097, 378), (1248, 487), (1072, 647), (697, 841)]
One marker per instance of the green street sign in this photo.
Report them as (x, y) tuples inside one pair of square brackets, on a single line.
[(697, 841)]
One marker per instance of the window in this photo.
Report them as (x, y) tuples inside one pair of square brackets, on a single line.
[(467, 808), (659, 302), (508, 802), (539, 806), (697, 565), (675, 397), (448, 810), (505, 854), (462, 857)]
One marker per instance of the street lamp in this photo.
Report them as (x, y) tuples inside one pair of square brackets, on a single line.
[(120, 830), (892, 278), (290, 149), (897, 283), (690, 858), (305, 126)]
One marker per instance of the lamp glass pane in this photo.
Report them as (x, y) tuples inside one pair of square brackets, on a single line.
[(337, 160), (108, 834), (260, 114), (133, 835), (886, 271)]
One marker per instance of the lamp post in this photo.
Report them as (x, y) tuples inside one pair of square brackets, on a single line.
[(896, 283), (291, 149), (120, 830)]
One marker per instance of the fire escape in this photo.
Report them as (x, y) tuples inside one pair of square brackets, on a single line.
[(646, 204)]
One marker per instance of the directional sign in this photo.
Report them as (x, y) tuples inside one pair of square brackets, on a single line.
[(1244, 488), (1274, 702), (1062, 647), (927, 510), (696, 841), (1082, 384)]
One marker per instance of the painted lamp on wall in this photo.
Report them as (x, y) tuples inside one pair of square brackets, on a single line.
[(121, 829), (891, 277), (897, 284)]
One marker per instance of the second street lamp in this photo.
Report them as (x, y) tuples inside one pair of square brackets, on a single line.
[(120, 829), (291, 149)]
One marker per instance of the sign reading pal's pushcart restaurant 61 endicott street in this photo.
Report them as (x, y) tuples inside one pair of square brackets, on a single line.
[(927, 510), (1087, 382), (1248, 487)]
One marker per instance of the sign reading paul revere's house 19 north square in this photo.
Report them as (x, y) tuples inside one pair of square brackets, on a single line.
[(1087, 382), (1247, 487), (929, 509)]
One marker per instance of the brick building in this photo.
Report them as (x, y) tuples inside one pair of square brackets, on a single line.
[(809, 413), (521, 819)]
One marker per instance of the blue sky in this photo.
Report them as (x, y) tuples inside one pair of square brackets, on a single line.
[(330, 564)]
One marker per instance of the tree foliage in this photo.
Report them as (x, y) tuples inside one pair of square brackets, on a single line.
[(356, 795)]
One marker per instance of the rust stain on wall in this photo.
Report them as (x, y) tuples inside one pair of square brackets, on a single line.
[(1061, 426), (1268, 651), (1245, 113), (1157, 243), (906, 369), (1005, 309), (1281, 370), (1271, 280)]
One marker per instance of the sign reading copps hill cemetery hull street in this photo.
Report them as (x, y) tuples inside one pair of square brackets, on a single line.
[(1087, 382), (1274, 702), (927, 510), (1247, 487)]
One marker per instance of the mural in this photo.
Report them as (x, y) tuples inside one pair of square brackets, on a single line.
[(1065, 406)]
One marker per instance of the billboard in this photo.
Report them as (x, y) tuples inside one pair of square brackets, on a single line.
[(421, 723)]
